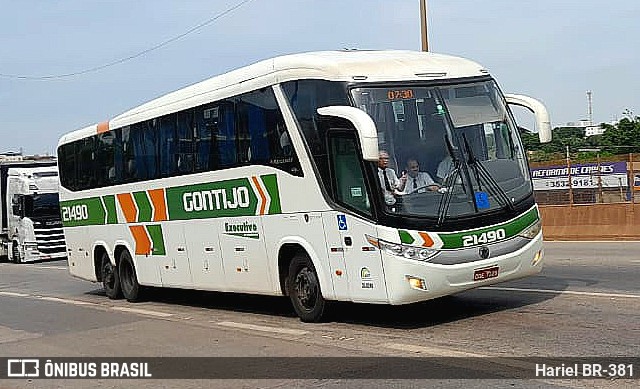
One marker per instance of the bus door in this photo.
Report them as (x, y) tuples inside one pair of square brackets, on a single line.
[(362, 260), (244, 255)]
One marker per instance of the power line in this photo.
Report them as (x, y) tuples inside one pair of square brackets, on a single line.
[(125, 59)]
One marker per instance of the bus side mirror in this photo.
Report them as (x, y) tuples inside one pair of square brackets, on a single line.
[(543, 122), (364, 125), (16, 209)]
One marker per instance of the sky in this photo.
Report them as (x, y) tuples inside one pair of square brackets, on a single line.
[(553, 50)]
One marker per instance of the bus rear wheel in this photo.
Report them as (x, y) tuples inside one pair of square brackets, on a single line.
[(304, 290), (110, 278), (131, 289)]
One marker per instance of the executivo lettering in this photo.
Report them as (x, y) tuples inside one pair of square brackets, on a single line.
[(245, 230)]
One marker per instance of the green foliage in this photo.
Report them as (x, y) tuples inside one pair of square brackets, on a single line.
[(626, 133), (624, 137)]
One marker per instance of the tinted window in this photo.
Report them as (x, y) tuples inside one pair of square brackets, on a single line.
[(247, 129), (305, 97)]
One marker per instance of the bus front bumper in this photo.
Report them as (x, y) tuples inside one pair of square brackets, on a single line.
[(410, 281)]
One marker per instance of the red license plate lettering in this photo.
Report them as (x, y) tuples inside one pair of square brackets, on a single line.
[(484, 274)]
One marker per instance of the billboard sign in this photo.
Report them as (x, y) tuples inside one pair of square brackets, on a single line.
[(583, 176)]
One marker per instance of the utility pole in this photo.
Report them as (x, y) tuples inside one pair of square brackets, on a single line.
[(423, 25), (589, 108), (569, 177)]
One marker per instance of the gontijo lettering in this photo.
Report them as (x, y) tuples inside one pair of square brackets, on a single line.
[(216, 199)]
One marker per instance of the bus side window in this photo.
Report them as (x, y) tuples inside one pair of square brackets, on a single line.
[(263, 134), (185, 142)]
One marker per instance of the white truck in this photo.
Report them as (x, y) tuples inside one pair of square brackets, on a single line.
[(31, 227)]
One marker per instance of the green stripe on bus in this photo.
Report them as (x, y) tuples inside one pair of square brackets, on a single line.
[(110, 205), (82, 212), (271, 183), (511, 228), (201, 201), (144, 206), (405, 237), (155, 233)]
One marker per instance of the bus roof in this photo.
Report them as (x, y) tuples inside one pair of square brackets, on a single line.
[(348, 65)]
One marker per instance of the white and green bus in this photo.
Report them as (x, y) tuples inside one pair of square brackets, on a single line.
[(265, 180)]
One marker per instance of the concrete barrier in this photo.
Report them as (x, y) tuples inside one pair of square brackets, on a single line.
[(591, 222)]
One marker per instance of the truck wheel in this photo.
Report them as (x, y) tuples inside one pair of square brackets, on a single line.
[(110, 278), (15, 252), (304, 290), (128, 279)]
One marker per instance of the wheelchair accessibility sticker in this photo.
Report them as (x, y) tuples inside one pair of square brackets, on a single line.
[(342, 222)]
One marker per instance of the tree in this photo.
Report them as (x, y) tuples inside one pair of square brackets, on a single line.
[(625, 136)]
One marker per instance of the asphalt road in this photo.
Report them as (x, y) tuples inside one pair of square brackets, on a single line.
[(586, 302)]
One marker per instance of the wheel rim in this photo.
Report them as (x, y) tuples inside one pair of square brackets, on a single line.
[(306, 288)]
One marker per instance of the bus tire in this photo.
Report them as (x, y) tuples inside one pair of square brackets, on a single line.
[(15, 252), (110, 278), (304, 290), (128, 279)]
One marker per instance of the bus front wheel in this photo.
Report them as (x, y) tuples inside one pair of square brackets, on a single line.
[(304, 290), (128, 279), (110, 278)]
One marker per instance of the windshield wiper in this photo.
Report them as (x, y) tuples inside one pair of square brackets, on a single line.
[(482, 173), (445, 201)]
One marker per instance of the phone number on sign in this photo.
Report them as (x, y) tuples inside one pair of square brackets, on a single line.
[(576, 183)]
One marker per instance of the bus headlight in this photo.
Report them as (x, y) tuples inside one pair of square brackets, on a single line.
[(401, 250), (416, 282), (532, 231)]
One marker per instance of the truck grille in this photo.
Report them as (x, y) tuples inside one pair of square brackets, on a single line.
[(50, 237)]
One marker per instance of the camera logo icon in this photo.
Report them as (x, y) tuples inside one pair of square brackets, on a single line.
[(17, 368)]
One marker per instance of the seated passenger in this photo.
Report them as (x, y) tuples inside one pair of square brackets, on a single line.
[(388, 179), (415, 181), (444, 169)]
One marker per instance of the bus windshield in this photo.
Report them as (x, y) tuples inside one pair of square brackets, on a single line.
[(454, 149)]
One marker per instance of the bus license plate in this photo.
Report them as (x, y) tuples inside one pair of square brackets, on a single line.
[(484, 274)]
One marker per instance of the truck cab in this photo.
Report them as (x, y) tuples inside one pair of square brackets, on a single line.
[(32, 227)]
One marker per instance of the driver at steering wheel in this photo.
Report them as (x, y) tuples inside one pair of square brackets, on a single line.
[(415, 181)]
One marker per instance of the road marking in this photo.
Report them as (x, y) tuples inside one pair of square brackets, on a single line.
[(13, 294), (430, 350), (86, 303), (49, 267), (142, 311), (33, 266), (277, 330), (570, 292), (65, 301)]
